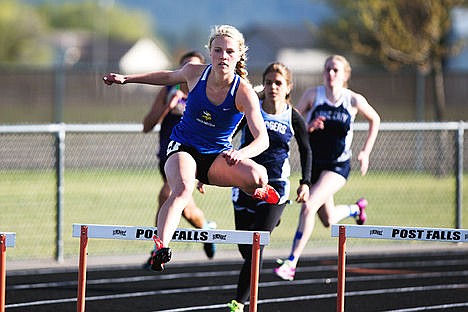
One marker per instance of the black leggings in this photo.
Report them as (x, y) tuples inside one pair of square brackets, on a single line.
[(266, 218)]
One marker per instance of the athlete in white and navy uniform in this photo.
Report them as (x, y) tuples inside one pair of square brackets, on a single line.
[(281, 129), (330, 111), (331, 146), (283, 123)]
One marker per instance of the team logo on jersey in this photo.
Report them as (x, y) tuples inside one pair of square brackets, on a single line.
[(205, 117), (276, 126), (335, 115)]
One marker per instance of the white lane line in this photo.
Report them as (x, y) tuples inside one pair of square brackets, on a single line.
[(331, 295), (232, 286), (137, 279), (434, 307)]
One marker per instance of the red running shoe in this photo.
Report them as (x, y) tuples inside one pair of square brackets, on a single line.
[(160, 255), (268, 194)]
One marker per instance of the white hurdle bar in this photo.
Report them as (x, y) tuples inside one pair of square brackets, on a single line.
[(342, 231), (7, 239), (144, 233)]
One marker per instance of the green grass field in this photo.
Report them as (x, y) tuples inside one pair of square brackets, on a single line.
[(128, 197)]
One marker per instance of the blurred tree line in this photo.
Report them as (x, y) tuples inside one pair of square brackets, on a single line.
[(399, 34), (396, 34), (26, 29)]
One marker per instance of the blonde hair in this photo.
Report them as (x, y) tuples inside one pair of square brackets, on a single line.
[(281, 69), (344, 61), (232, 32)]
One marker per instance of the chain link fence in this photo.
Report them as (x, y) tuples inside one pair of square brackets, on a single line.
[(108, 174)]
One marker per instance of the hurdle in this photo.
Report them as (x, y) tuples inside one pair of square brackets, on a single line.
[(7, 239), (144, 233), (343, 231)]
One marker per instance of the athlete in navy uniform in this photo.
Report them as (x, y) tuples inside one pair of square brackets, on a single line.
[(167, 111), (330, 111), (201, 147), (283, 123)]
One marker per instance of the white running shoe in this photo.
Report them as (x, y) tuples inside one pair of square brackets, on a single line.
[(286, 271)]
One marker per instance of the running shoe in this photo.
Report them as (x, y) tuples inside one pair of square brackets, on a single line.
[(268, 194), (362, 217), (161, 255), (235, 306), (210, 248), (286, 271)]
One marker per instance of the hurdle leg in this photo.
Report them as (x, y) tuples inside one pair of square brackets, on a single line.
[(254, 272), (80, 306), (341, 269), (2, 272)]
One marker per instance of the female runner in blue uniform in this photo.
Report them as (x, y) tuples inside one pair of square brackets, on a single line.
[(283, 123), (330, 111), (201, 146), (167, 111)]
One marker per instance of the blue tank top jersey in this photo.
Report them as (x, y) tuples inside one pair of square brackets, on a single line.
[(276, 158), (333, 143), (207, 127)]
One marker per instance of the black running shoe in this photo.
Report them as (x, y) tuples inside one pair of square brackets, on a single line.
[(160, 257), (210, 249)]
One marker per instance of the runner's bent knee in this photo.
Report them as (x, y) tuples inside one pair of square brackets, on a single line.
[(259, 176), (256, 177)]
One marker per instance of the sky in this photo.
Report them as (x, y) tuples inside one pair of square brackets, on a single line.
[(188, 21)]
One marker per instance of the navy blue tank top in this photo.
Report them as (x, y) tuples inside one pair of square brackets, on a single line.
[(333, 143), (205, 126)]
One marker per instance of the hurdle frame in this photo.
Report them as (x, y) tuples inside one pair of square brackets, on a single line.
[(343, 231), (254, 238), (7, 239)]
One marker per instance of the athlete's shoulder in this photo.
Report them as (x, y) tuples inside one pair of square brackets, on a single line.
[(295, 113), (311, 90), (244, 83), (246, 89), (356, 98), (193, 70), (307, 100), (192, 73)]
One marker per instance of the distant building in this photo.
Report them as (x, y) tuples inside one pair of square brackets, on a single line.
[(144, 56), (83, 49)]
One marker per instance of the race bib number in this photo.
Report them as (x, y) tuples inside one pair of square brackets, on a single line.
[(172, 147), (235, 194)]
